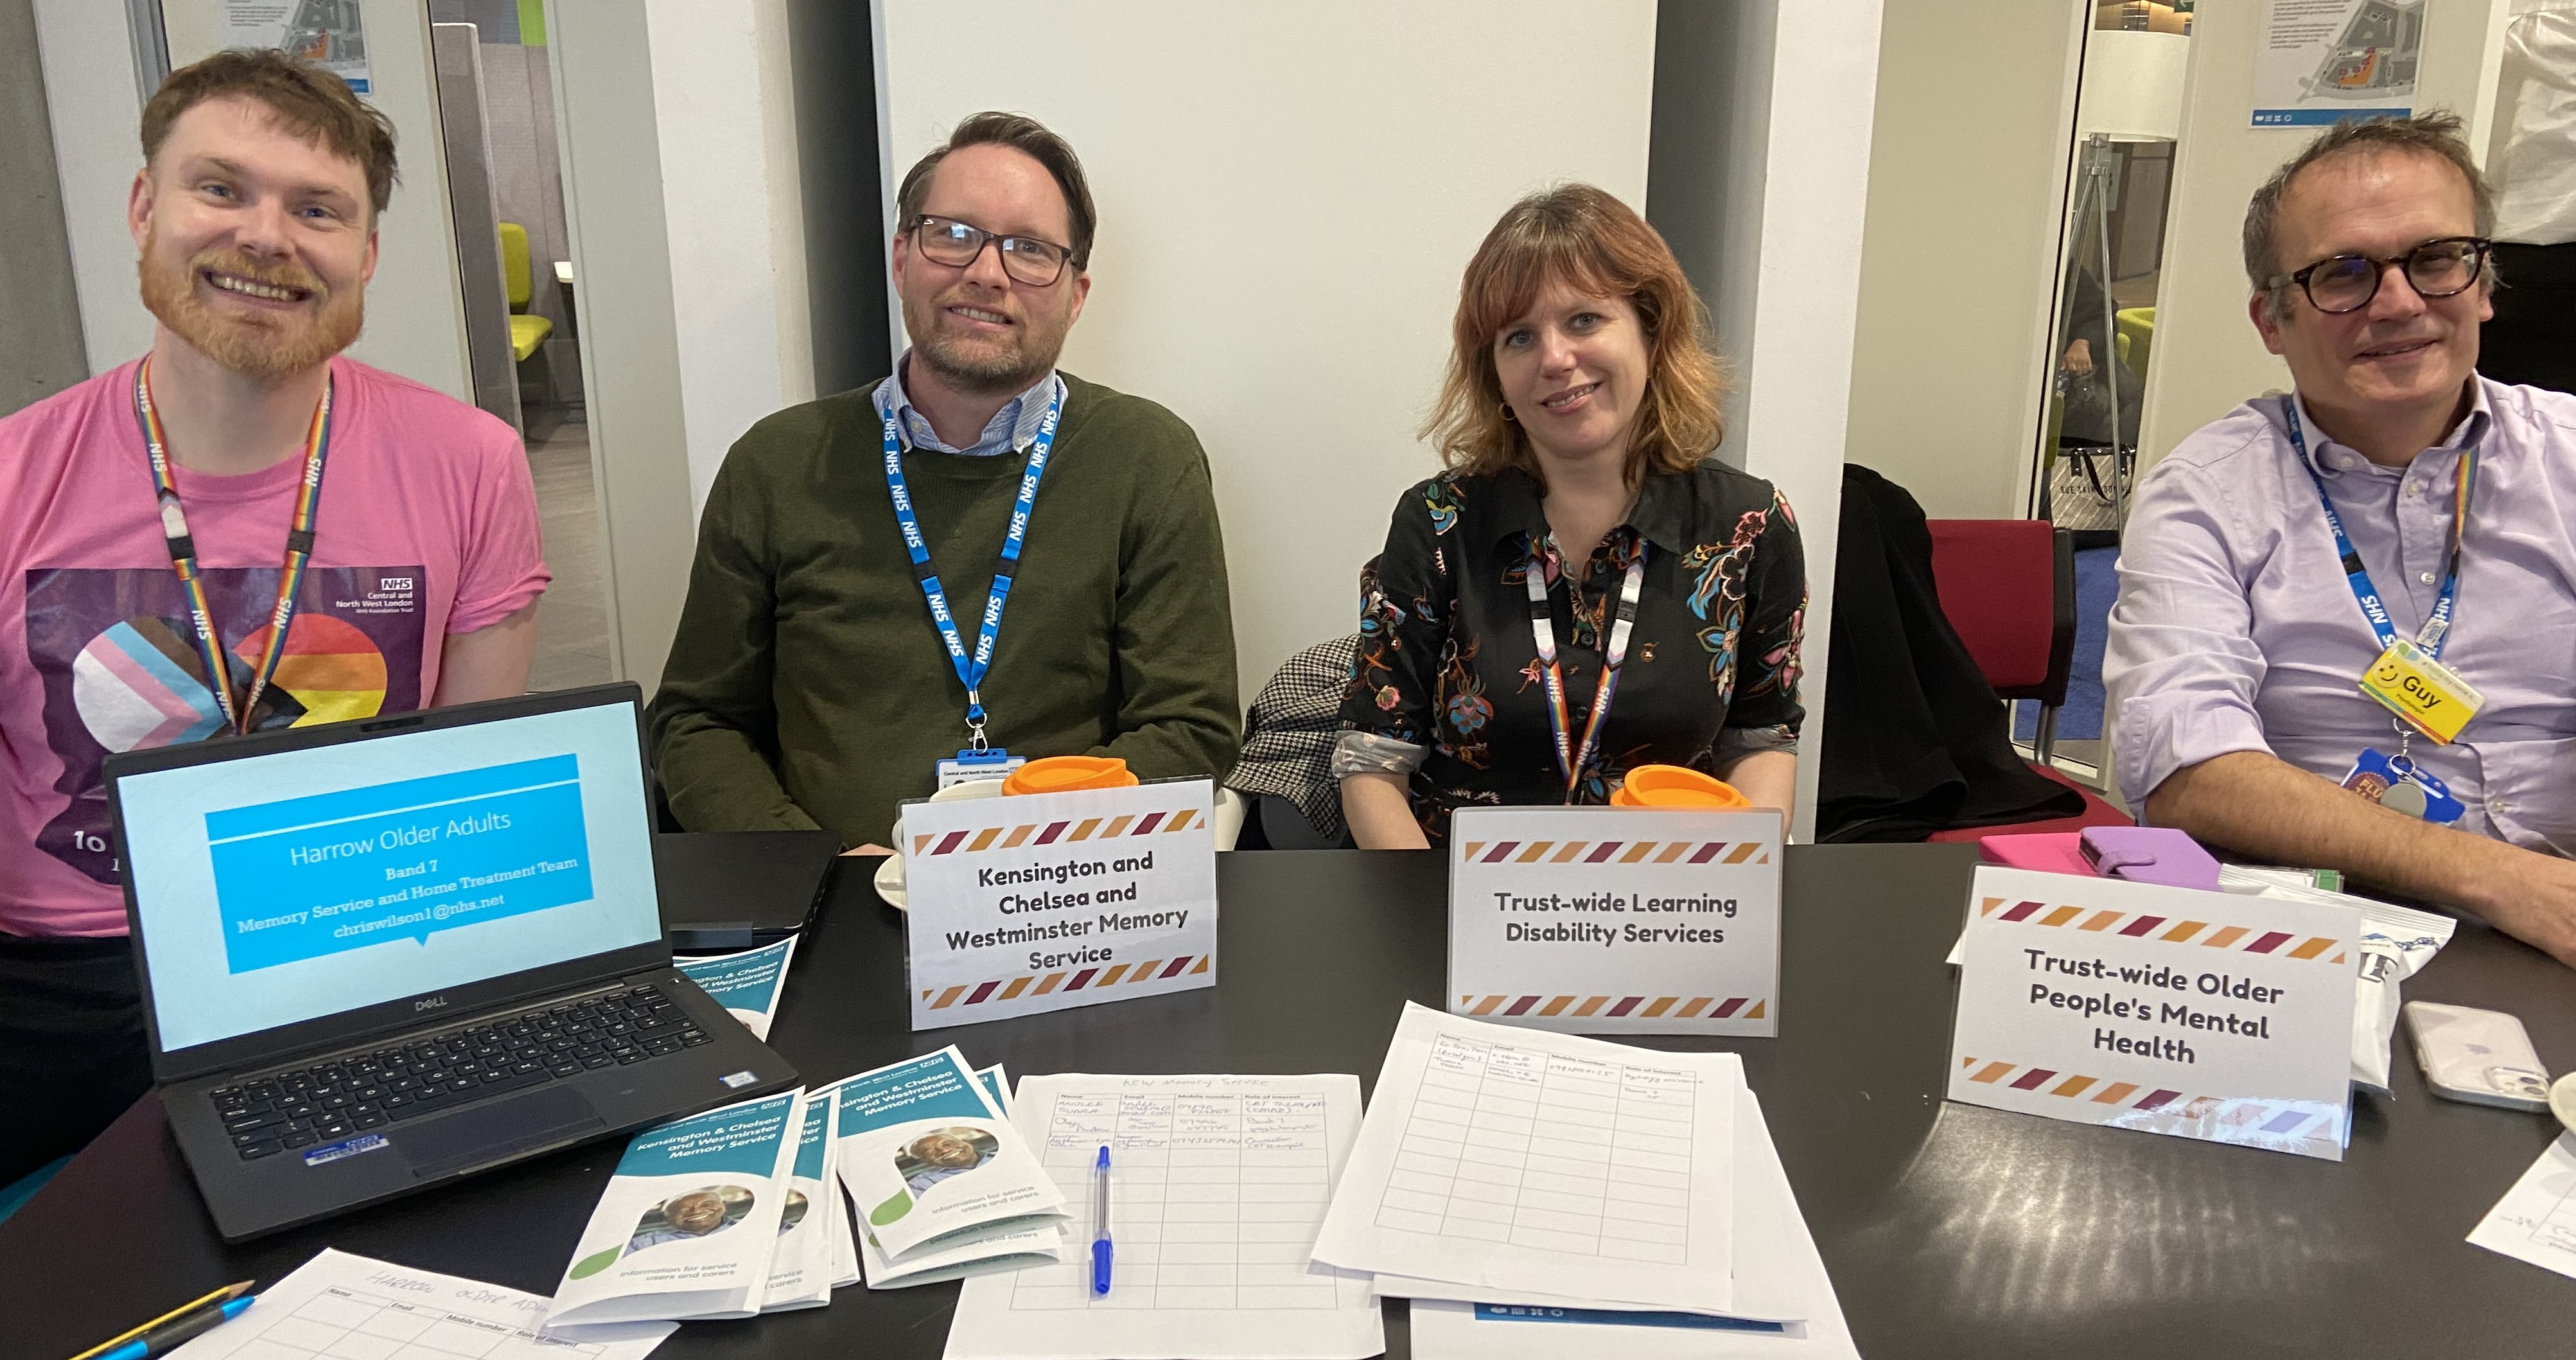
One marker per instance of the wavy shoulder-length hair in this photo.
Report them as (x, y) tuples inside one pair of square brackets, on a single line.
[(1581, 236)]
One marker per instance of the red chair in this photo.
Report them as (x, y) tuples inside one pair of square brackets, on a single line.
[(2008, 587)]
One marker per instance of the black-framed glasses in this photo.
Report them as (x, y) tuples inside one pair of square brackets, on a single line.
[(945, 240), (2438, 268)]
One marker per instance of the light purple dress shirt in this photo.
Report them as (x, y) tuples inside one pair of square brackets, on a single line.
[(2236, 630)]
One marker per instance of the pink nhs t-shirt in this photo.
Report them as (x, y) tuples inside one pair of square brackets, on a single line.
[(427, 526)]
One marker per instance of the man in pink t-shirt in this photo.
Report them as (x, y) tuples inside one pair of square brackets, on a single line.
[(255, 214)]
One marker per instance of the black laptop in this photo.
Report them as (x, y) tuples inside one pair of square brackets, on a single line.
[(383, 954), (741, 889)]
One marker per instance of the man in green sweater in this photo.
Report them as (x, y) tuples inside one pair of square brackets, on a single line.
[(844, 607)]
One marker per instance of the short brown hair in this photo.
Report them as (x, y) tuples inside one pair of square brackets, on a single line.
[(1021, 133), (303, 98), (2425, 134), (1582, 236)]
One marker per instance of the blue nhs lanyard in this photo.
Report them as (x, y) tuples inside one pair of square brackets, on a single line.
[(2437, 625), (970, 670)]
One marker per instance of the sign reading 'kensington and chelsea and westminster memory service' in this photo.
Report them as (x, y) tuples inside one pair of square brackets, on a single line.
[(1599, 920), (1054, 900), (2198, 1014)]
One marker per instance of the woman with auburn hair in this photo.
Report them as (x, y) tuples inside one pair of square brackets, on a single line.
[(1582, 548)]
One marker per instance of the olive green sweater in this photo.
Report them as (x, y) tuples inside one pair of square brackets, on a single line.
[(807, 685)]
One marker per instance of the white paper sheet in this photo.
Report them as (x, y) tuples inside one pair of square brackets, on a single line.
[(1217, 1184), (1771, 1283), (1786, 1263), (2536, 1219), (1516, 1159), (342, 1305)]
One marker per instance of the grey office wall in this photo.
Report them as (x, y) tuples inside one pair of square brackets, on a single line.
[(41, 350), (835, 66)]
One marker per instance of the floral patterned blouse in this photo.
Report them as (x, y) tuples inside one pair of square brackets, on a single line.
[(1447, 662)]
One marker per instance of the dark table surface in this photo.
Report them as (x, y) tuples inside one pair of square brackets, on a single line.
[(1950, 1230)]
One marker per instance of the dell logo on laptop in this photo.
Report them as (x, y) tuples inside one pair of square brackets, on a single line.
[(430, 1005)]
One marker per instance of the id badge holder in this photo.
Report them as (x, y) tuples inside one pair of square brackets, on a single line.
[(2425, 694), (970, 765), (2400, 785)]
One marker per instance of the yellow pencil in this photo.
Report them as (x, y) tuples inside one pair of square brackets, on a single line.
[(220, 1297)]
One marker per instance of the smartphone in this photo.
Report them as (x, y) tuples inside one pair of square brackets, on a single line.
[(2482, 1057)]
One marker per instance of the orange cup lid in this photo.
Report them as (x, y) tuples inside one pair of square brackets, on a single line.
[(1673, 786), (1065, 774)]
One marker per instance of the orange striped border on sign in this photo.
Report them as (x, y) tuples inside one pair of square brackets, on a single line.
[(1066, 831), (1615, 852), (2164, 929), (1618, 1007), (1033, 984), (2280, 1118)]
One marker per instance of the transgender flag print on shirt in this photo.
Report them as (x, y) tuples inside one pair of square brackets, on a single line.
[(427, 530), (118, 657)]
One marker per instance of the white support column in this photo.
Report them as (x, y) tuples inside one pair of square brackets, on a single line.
[(1783, 212), (90, 92)]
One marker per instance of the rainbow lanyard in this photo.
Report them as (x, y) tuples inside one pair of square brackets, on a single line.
[(183, 552), (1570, 757)]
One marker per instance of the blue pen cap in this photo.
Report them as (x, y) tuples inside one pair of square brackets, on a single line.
[(1100, 1252)]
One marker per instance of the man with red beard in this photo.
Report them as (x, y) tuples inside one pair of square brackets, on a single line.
[(857, 551), (158, 522)]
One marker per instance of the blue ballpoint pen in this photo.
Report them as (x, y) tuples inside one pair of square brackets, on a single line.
[(1101, 1251)]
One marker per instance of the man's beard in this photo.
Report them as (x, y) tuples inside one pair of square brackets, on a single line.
[(972, 367), (252, 345)]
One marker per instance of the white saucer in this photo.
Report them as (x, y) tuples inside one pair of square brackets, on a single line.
[(890, 882), (2562, 1100), (889, 879)]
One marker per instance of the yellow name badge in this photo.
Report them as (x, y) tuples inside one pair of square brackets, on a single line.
[(2428, 695)]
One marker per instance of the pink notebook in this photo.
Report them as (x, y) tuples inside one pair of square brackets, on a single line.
[(2059, 852)]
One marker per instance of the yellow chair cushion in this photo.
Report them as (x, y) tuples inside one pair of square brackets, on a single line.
[(2136, 327), (526, 333), (515, 277)]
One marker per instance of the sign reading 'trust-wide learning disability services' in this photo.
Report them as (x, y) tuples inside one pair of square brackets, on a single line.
[(1054, 900), (2169, 1010), (1607, 920)]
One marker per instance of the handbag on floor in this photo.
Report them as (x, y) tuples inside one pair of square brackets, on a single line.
[(2080, 489)]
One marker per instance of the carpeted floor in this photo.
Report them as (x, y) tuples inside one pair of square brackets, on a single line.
[(2097, 584)]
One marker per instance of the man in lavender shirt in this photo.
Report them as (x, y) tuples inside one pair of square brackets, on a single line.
[(2239, 642)]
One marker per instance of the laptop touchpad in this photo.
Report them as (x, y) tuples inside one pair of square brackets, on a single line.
[(471, 1137)]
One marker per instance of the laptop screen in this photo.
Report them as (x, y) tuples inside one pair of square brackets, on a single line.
[(296, 884)]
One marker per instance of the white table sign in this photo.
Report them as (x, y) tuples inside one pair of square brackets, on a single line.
[(2196, 1014), (1601, 920), (1055, 900)]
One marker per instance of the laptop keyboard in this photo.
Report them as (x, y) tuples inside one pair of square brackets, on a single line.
[(281, 1111)]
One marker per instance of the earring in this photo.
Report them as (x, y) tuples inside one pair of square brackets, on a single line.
[(1507, 412)]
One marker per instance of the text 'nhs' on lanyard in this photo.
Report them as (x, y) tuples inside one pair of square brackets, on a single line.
[(238, 710), (2408, 677), (1573, 757), (978, 759)]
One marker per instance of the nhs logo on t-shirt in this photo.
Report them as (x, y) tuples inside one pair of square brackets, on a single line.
[(394, 592)]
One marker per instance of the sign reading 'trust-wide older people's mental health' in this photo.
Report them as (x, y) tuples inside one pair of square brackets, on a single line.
[(2197, 1014)]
